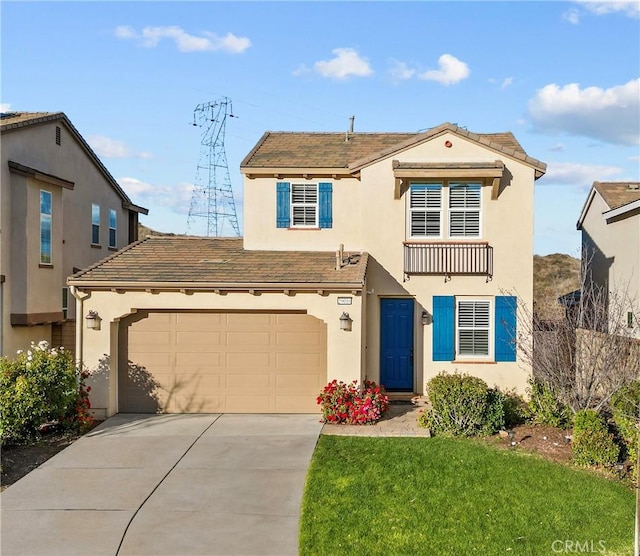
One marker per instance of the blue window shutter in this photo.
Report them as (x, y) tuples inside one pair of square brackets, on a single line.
[(283, 200), (443, 328), (505, 348), (324, 194)]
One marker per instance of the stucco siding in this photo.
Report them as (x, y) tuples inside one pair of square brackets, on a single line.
[(344, 355)]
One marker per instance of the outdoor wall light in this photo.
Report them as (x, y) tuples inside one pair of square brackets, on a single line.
[(345, 322), (93, 320), (425, 318)]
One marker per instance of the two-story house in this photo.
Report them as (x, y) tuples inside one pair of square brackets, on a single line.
[(610, 226), (385, 256), (60, 211)]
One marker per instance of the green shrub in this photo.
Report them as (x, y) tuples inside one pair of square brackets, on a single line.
[(625, 409), (37, 387), (545, 408), (592, 442), (516, 409), (462, 405)]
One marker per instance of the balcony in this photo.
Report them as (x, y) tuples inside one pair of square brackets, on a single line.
[(448, 258)]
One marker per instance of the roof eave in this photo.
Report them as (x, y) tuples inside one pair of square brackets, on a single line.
[(619, 211), (99, 285)]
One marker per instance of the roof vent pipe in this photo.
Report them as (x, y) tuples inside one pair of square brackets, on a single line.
[(347, 135), (340, 257)]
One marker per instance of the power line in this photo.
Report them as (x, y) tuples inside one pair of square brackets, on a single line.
[(213, 209)]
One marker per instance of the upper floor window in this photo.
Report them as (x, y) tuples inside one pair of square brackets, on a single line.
[(45, 227), (436, 211), (425, 210), (113, 221), (464, 209), (304, 205), (95, 224)]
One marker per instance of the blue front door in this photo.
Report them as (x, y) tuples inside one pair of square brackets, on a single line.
[(396, 344)]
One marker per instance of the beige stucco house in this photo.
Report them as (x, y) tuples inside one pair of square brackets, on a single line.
[(386, 256), (610, 226), (60, 211)]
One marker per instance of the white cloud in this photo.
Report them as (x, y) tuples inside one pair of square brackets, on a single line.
[(111, 148), (630, 8), (609, 115), (557, 148), (400, 71), (507, 82), (5, 107), (346, 63), (150, 37), (451, 71), (583, 175), (572, 16), (177, 198)]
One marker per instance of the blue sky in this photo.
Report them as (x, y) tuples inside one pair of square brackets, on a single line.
[(564, 77)]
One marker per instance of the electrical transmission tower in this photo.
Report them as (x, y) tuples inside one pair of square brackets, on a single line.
[(213, 210)]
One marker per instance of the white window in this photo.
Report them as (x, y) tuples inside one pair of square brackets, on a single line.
[(113, 221), (425, 210), (464, 209), (473, 328), (45, 227), (304, 205), (95, 224)]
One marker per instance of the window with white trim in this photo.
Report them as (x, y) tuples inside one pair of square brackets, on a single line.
[(113, 222), (425, 210), (45, 227), (304, 205), (473, 328), (95, 224), (464, 209)]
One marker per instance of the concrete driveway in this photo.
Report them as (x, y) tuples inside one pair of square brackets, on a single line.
[(170, 485)]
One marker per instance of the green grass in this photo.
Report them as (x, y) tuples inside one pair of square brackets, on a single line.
[(384, 496)]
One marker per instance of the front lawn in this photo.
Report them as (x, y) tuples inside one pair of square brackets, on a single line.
[(455, 496)]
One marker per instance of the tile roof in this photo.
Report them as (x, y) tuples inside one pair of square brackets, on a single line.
[(617, 194), (332, 150), (202, 263), (11, 121)]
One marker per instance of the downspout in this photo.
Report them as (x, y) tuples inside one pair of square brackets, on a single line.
[(1, 314), (79, 325)]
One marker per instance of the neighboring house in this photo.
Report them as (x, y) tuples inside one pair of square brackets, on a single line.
[(385, 256), (610, 226), (60, 211)]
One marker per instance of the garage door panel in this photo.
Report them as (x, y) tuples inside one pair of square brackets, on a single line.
[(196, 338), (298, 339), (201, 359), (197, 321), (252, 337), (299, 383), (248, 403), (247, 360), (249, 382), (301, 362), (224, 362), (152, 339), (248, 320), (295, 404)]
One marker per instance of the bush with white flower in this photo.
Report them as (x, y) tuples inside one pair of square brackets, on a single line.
[(40, 386)]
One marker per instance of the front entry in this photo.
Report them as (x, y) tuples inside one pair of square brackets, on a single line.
[(396, 343)]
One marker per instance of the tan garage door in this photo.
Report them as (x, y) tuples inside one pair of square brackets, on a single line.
[(221, 362)]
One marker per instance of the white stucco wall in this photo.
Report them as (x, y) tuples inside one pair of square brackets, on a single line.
[(344, 355), (368, 218)]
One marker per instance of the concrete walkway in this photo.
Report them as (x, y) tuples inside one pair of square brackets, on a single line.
[(400, 420), (166, 485)]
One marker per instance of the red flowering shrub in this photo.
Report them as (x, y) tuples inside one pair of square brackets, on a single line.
[(351, 404)]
